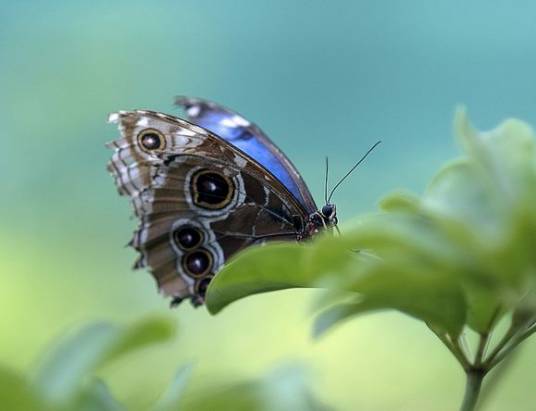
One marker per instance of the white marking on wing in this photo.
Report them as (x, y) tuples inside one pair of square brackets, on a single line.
[(240, 121), (267, 192), (113, 117), (240, 161), (193, 111)]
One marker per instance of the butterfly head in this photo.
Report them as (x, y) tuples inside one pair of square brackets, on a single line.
[(325, 218), (329, 215)]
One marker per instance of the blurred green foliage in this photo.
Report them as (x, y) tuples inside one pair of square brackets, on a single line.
[(65, 380), (320, 82), (459, 257)]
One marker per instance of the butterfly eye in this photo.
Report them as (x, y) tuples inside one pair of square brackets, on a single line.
[(327, 210), (187, 237), (150, 140), (197, 263), (211, 190)]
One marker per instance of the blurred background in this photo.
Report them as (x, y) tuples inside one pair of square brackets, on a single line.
[(321, 78)]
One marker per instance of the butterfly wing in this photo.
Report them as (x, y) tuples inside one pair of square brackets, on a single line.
[(199, 200), (241, 133)]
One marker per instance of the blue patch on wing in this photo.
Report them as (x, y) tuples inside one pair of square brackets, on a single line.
[(240, 133)]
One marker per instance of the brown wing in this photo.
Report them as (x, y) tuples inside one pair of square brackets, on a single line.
[(199, 200)]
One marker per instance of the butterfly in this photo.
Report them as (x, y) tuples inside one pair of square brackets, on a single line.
[(204, 188)]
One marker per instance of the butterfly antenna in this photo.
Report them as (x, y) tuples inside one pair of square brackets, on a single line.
[(326, 181), (352, 169)]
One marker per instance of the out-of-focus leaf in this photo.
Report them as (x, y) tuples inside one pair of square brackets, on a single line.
[(462, 191), (173, 397), (400, 201), (419, 245), (431, 297), (243, 396), (16, 394), (96, 397), (72, 360), (64, 370), (460, 255), (143, 333), (283, 390), (288, 387), (340, 312), (485, 307), (404, 234), (507, 153)]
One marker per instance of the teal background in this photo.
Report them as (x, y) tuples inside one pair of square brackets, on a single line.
[(321, 78)]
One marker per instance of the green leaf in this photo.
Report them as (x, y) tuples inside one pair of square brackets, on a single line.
[(507, 153), (460, 255), (462, 191), (275, 266), (142, 334), (16, 394), (62, 374), (284, 390), (402, 233), (412, 289), (485, 307), (338, 313), (173, 397), (96, 397), (400, 201)]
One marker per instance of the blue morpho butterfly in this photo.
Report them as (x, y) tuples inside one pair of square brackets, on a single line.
[(204, 189)]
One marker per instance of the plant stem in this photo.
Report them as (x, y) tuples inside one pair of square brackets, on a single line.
[(493, 380), (502, 343), (472, 389), (512, 346), (482, 345), (454, 348)]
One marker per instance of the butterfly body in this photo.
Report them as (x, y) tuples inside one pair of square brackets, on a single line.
[(204, 189)]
